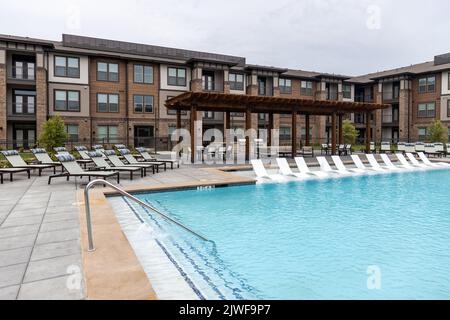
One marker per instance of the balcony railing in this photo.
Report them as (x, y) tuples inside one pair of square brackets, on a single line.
[(23, 73), (364, 98), (26, 109), (389, 119)]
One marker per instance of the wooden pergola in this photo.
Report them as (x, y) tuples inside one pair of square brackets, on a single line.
[(227, 103)]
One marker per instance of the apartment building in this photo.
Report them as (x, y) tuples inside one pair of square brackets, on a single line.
[(115, 92)]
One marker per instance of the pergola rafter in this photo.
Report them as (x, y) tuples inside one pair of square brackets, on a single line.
[(220, 102)]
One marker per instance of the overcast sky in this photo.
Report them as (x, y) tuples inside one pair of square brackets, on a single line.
[(350, 37)]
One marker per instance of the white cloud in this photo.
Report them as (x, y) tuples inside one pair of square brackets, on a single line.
[(323, 35)]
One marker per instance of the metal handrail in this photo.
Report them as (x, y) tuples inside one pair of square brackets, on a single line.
[(129, 196)]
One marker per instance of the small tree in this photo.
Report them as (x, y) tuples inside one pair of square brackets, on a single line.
[(53, 133), (349, 132), (437, 133)]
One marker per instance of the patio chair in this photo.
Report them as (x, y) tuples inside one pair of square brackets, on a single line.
[(261, 172), (440, 148), (134, 162), (285, 170), (348, 149), (401, 147), (385, 147), (387, 161), (11, 172), (73, 169), (303, 168), (64, 152), (324, 148), (416, 163), (116, 162), (360, 165), (410, 147), (16, 161), (147, 157), (307, 151), (430, 149), (102, 164), (99, 148), (374, 163), (43, 157), (405, 162), (419, 147), (373, 147)]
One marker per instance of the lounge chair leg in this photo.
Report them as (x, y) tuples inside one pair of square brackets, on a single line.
[(29, 174), (1, 179), (131, 175), (40, 172), (54, 170), (118, 178), (165, 166), (49, 180), (10, 177)]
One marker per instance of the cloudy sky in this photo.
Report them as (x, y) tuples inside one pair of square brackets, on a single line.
[(350, 37)]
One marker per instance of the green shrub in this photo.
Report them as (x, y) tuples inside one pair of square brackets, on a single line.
[(53, 133)]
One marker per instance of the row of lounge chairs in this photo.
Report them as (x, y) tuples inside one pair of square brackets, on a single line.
[(326, 171), (106, 163), (430, 149)]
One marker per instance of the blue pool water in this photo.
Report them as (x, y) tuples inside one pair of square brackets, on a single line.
[(315, 239)]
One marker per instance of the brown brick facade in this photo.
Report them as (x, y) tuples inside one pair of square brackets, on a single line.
[(3, 112), (41, 99)]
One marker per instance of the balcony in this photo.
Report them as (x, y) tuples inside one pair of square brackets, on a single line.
[(364, 98), (22, 112), (21, 75), (389, 120)]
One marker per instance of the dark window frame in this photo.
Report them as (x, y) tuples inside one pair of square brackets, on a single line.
[(448, 108), (108, 138), (177, 77), (426, 112), (349, 86), (66, 67), (236, 85), (15, 95), (284, 89), (143, 73), (108, 103), (108, 63), (143, 96), (305, 91), (427, 85), (67, 100), (66, 127)]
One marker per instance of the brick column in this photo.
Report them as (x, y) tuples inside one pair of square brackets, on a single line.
[(197, 86), (3, 112), (405, 102), (41, 93), (378, 127), (319, 131)]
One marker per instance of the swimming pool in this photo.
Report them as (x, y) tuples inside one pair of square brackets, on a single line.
[(312, 240)]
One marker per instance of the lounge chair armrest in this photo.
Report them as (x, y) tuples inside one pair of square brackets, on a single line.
[(96, 168)]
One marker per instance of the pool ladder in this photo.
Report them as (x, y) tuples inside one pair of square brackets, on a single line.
[(129, 196)]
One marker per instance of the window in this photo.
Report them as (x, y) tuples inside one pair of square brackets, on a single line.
[(422, 133), (332, 91), (68, 67), (427, 84), (107, 71), (262, 86), (171, 129), (448, 134), (107, 102), (174, 112), (107, 134), (208, 115), (285, 133), (303, 133), (426, 110), (208, 81), (72, 132), (143, 74), (237, 114), (285, 85), (236, 81), (306, 88), (66, 100), (143, 104), (176, 77), (24, 102), (347, 91)]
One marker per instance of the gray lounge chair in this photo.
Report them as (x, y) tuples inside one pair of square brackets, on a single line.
[(11, 172), (73, 169), (133, 161), (63, 151), (42, 157), (16, 161), (102, 164), (116, 162), (147, 157)]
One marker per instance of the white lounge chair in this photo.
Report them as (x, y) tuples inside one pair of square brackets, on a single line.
[(325, 167), (261, 172), (360, 165), (286, 170), (401, 147), (387, 161), (440, 148), (374, 163), (405, 162), (303, 168), (344, 170), (416, 163), (427, 161)]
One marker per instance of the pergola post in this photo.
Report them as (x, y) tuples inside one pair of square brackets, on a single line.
[(307, 140), (269, 134), (368, 135), (192, 124), (340, 140), (294, 133), (178, 124), (248, 127), (333, 133)]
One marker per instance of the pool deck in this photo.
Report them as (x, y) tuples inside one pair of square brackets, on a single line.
[(43, 249), (43, 240)]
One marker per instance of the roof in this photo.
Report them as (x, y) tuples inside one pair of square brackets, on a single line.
[(75, 41), (5, 37), (301, 74), (416, 69), (265, 68), (221, 102)]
